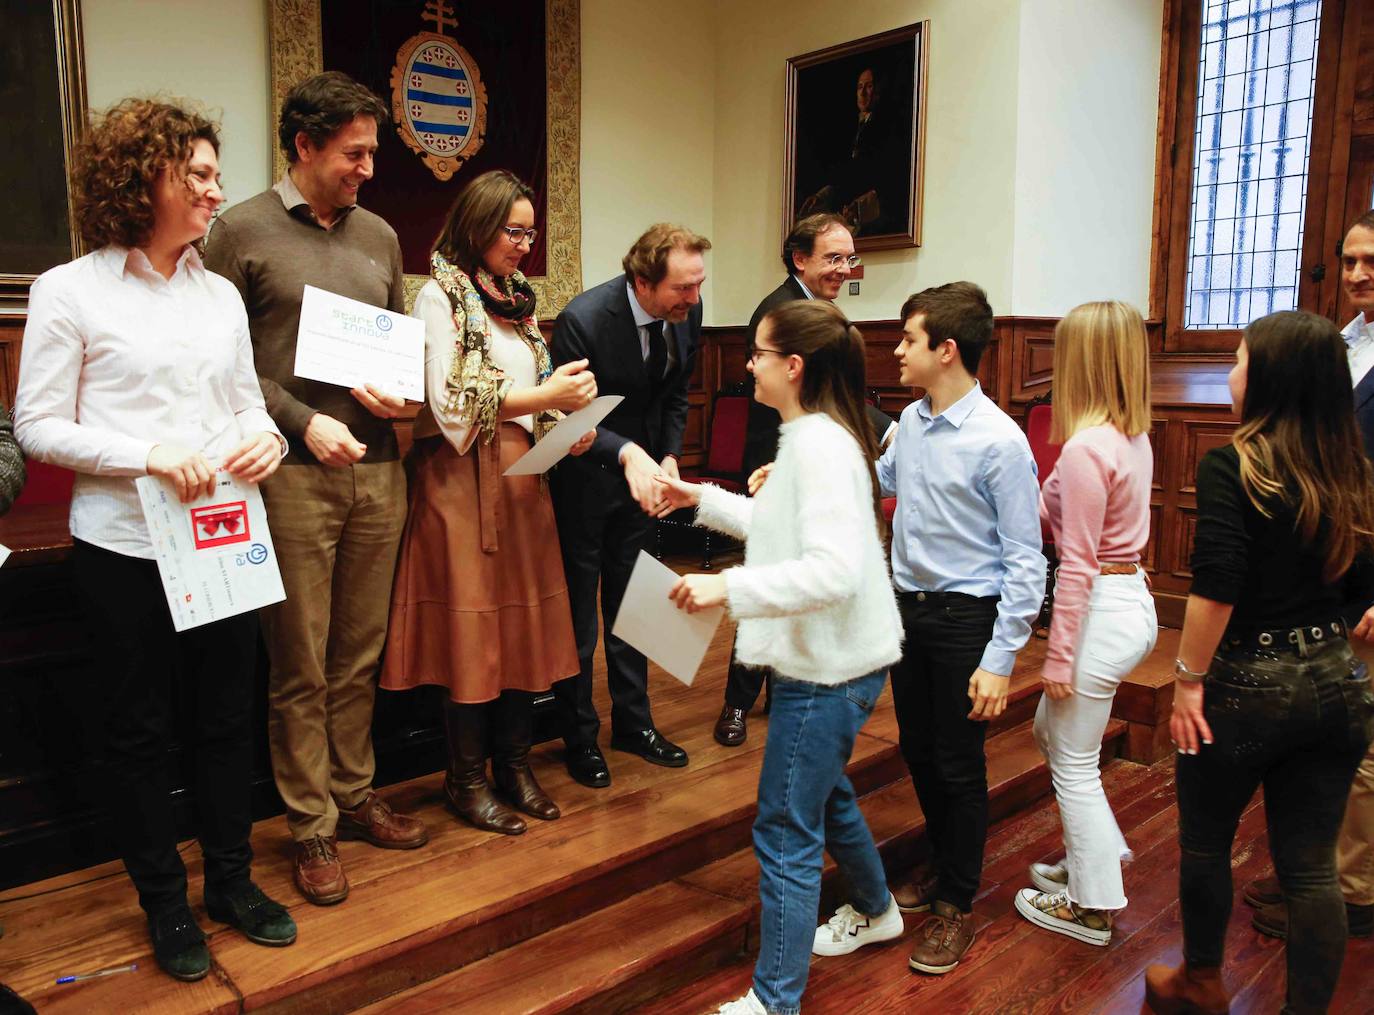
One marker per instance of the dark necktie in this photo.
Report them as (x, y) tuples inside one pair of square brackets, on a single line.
[(657, 362)]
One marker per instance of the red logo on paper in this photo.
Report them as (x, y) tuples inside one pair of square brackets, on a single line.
[(220, 524)]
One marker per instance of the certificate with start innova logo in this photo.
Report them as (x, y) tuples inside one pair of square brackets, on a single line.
[(347, 342)]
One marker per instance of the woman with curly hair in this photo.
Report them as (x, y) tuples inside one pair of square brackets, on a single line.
[(1268, 691), (136, 361), (480, 605)]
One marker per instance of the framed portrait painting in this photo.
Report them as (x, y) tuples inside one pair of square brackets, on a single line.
[(855, 137)]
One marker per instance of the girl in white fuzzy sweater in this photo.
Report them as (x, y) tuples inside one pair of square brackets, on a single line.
[(814, 601)]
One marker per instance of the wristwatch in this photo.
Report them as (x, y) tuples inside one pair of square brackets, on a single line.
[(1187, 676)]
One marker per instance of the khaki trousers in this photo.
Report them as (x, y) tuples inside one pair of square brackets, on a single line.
[(336, 533), (1355, 847)]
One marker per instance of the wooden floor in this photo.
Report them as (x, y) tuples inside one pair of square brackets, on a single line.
[(643, 897)]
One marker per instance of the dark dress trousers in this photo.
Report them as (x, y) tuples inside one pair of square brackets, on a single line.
[(601, 528)]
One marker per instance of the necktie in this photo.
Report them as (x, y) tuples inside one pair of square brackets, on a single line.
[(657, 362)]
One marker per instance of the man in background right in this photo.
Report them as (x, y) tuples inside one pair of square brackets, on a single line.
[(1355, 847)]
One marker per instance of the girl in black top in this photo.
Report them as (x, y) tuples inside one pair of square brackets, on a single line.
[(1284, 539)]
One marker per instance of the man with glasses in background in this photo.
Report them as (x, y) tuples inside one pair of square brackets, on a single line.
[(818, 255)]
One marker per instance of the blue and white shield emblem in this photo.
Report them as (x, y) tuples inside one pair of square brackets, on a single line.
[(438, 102)]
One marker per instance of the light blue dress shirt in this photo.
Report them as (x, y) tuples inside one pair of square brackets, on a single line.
[(968, 514)]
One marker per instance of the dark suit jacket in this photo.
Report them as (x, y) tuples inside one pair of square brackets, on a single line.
[(599, 326), (1364, 411), (785, 293)]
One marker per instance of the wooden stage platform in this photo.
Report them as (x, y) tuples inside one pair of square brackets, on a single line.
[(642, 897)]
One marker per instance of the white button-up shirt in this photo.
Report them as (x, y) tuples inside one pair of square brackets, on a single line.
[(1359, 341), (117, 359)]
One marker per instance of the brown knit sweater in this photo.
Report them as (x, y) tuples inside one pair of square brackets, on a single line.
[(271, 254)]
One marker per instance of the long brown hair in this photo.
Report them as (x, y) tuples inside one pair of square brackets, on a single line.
[(1297, 440), (833, 373), (477, 215)]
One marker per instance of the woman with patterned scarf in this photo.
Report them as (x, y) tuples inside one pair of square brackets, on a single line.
[(480, 605)]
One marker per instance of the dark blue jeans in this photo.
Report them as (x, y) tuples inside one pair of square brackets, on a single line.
[(807, 805), (1297, 722)]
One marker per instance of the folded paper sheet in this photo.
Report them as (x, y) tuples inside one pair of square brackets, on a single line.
[(651, 622), (558, 441)]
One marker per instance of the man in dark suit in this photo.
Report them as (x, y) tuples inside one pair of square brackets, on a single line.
[(818, 255), (639, 333)]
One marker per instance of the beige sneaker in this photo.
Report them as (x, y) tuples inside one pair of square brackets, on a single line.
[(1054, 911)]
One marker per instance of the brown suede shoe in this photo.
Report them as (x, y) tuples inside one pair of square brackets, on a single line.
[(731, 729), (1187, 990), (944, 938), (915, 894), (374, 821), (1263, 892), (1273, 920), (319, 872)]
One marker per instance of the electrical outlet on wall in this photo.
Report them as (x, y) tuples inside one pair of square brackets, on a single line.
[(853, 288)]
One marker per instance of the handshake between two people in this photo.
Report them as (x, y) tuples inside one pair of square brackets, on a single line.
[(693, 592)]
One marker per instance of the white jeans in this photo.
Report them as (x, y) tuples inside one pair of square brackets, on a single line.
[(1118, 632)]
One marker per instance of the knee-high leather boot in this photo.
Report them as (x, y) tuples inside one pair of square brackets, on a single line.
[(466, 788), (512, 734)]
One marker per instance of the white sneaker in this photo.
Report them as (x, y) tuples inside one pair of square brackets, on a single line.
[(1049, 877), (749, 1004), (1054, 911), (849, 929)]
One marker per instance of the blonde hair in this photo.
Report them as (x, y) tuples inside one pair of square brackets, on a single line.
[(1101, 370)]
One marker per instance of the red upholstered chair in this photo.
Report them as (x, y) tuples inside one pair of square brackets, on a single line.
[(1038, 419), (724, 467), (46, 484)]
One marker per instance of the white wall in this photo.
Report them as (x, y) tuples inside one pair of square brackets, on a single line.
[(210, 51), (648, 114), (1087, 101), (1039, 139), (970, 144)]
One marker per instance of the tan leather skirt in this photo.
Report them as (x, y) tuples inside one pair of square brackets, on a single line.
[(480, 604)]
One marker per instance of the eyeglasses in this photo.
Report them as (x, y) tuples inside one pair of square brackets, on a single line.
[(835, 260), (517, 235), (756, 352)]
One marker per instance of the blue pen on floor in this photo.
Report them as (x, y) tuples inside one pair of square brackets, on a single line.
[(104, 972)]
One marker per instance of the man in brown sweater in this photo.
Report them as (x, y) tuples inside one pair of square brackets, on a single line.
[(338, 504)]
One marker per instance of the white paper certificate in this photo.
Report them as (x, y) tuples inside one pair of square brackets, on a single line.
[(651, 622), (343, 341), (559, 441), (215, 554)]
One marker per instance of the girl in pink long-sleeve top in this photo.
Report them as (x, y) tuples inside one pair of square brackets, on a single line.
[(1097, 503)]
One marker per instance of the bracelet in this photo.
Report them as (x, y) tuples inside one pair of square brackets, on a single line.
[(1187, 676)]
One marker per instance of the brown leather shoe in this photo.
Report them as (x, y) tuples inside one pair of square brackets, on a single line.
[(731, 730), (944, 938), (374, 821), (319, 871), (915, 894), (1273, 920), (1187, 990), (1263, 892)]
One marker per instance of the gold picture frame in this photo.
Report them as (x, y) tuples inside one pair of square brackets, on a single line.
[(296, 52)]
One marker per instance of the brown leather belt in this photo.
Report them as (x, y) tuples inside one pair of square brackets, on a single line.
[(1119, 569), (1126, 569)]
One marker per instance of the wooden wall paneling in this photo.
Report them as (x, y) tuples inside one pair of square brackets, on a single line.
[(1200, 437), (11, 335), (1032, 359)]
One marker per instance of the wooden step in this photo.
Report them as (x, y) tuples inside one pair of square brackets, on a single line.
[(1017, 779), (676, 932)]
